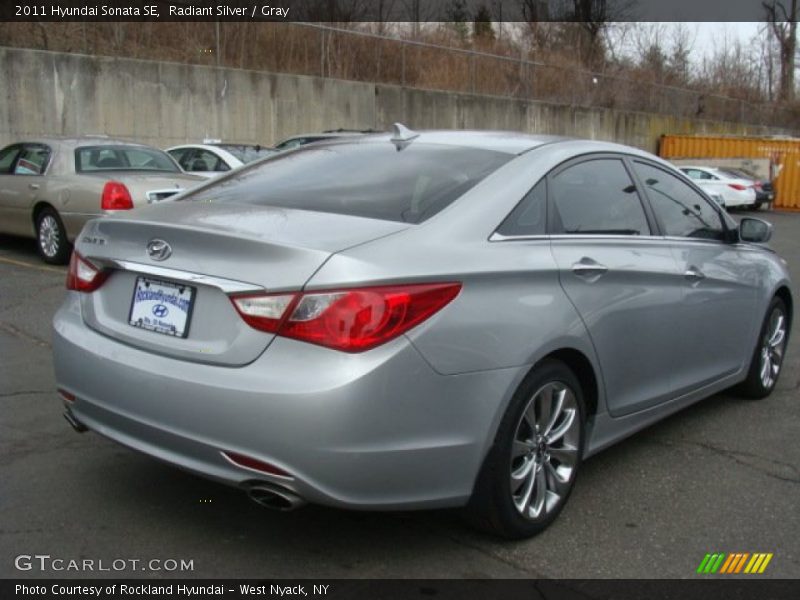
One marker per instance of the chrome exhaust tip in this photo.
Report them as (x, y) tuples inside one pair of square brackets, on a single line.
[(74, 423), (275, 497)]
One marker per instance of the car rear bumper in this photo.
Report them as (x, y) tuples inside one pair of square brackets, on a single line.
[(374, 430)]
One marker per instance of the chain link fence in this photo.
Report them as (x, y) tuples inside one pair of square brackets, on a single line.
[(325, 51)]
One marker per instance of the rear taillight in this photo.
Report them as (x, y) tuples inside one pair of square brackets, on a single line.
[(83, 276), (351, 320), (115, 197), (738, 186)]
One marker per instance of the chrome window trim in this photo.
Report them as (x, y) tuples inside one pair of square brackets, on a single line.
[(228, 286), (499, 237)]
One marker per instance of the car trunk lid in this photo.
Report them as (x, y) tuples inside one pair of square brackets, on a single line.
[(215, 251)]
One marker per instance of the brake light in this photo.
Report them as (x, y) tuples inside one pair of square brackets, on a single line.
[(738, 186), (83, 276), (351, 320), (115, 197)]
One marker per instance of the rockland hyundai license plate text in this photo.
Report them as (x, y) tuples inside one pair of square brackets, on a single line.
[(162, 307)]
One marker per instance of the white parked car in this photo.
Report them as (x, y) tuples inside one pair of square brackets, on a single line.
[(214, 158), (735, 191)]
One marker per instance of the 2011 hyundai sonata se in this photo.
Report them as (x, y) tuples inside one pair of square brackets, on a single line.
[(415, 320)]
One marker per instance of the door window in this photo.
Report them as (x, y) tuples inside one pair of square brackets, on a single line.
[(32, 160), (682, 211), (597, 197)]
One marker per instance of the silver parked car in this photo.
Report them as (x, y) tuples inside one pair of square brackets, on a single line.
[(50, 187), (417, 320)]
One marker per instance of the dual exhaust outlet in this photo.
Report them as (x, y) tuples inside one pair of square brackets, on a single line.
[(274, 497)]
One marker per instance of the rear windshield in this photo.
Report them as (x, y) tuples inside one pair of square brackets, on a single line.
[(122, 158), (375, 180), (246, 153)]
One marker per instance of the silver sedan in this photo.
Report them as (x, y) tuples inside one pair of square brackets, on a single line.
[(417, 320)]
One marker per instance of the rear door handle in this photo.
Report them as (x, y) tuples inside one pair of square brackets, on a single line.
[(694, 274), (588, 268), (33, 186)]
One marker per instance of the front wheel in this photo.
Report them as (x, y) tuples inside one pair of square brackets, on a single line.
[(767, 359), (51, 238), (531, 468)]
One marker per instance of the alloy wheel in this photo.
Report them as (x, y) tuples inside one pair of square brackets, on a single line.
[(545, 451), (49, 235), (772, 348)]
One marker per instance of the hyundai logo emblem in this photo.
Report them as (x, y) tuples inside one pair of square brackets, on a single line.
[(159, 249), (160, 311)]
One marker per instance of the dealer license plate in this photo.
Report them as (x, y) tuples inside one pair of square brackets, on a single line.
[(162, 307)]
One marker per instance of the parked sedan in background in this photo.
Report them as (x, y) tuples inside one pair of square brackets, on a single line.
[(50, 187), (737, 191), (458, 322), (765, 192), (214, 158)]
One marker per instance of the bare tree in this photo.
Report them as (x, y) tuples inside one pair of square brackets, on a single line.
[(783, 24)]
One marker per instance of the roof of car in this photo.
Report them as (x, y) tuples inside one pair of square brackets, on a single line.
[(94, 140), (499, 141)]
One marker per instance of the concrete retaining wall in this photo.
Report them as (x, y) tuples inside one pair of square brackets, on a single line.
[(48, 93)]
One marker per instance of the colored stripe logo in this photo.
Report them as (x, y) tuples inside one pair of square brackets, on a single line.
[(735, 563)]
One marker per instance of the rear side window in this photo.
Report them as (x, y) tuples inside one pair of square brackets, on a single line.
[(116, 158), (597, 197), (376, 180), (680, 209), (530, 216)]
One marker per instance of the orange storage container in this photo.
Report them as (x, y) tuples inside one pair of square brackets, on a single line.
[(783, 155)]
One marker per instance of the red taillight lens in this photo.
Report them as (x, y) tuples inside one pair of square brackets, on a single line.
[(115, 197), (350, 320), (738, 186), (83, 276)]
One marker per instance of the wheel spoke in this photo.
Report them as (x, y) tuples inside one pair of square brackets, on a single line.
[(565, 425), (558, 406), (520, 448), (529, 416), (524, 499), (566, 455), (541, 492), (778, 334), (557, 483), (520, 474)]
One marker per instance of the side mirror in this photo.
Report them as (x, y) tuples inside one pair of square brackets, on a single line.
[(753, 230)]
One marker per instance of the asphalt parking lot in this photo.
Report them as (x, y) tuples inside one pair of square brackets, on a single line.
[(722, 476)]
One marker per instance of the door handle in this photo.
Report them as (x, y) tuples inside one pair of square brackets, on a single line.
[(33, 186), (694, 274), (588, 268)]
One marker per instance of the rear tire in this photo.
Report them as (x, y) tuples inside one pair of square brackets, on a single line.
[(530, 470), (767, 359), (51, 238)]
